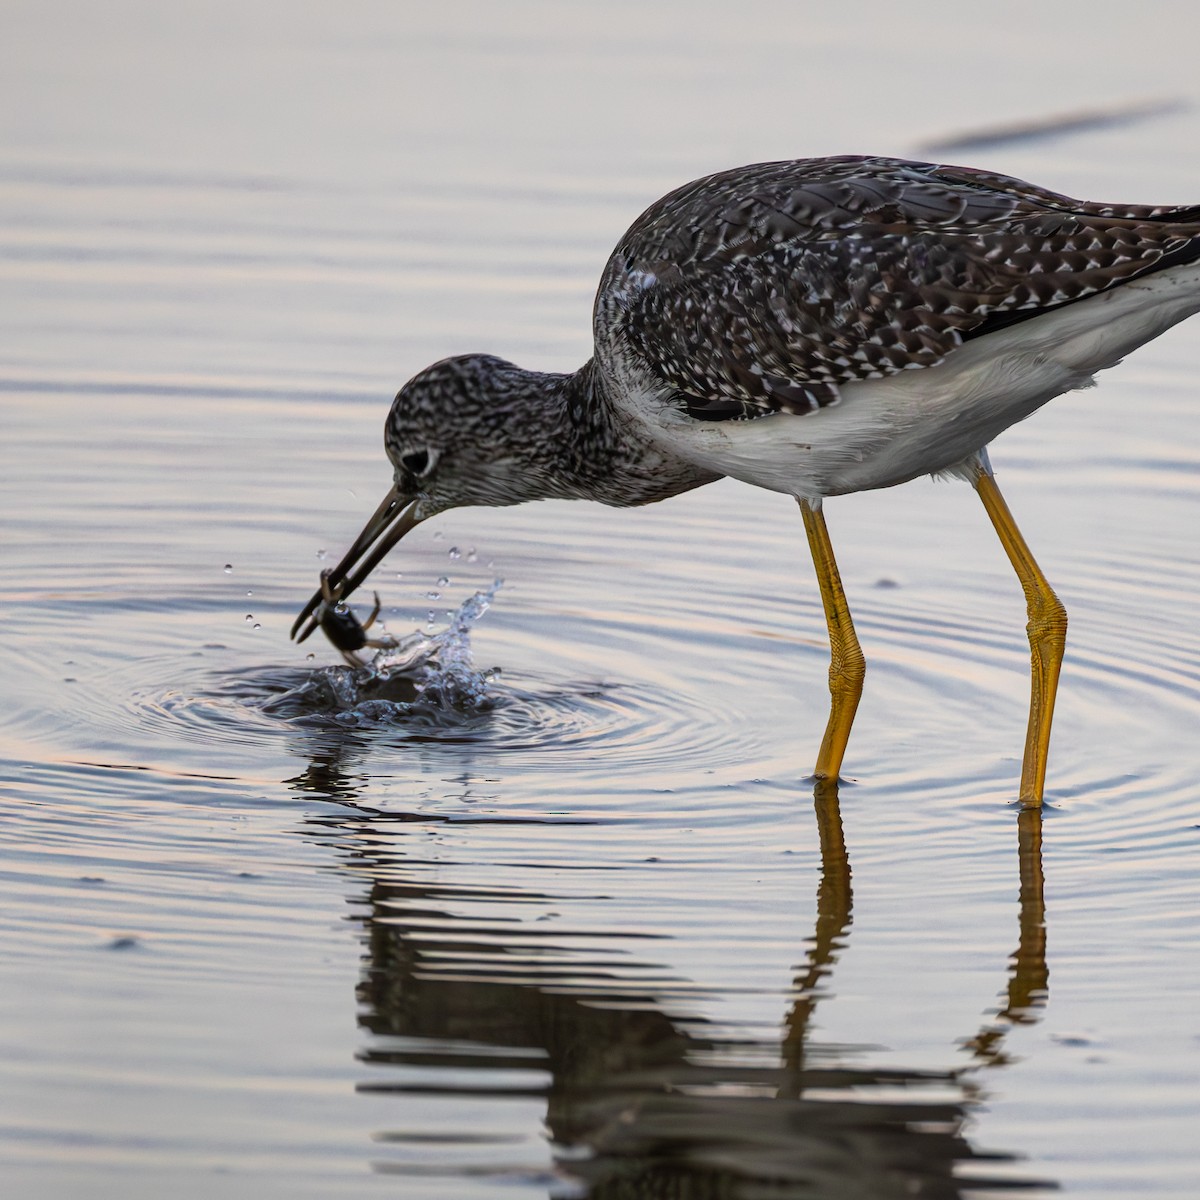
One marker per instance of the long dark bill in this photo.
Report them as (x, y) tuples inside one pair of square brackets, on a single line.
[(388, 524)]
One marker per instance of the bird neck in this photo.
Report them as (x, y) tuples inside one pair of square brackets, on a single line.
[(595, 450)]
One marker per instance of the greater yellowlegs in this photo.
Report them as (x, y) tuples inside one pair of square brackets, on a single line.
[(815, 327)]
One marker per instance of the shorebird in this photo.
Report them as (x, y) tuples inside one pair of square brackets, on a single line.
[(815, 327)]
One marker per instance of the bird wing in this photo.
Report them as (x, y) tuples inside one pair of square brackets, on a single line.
[(768, 287)]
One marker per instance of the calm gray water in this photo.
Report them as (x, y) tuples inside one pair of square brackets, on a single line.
[(597, 935)]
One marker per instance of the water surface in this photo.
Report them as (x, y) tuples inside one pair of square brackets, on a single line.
[(594, 932)]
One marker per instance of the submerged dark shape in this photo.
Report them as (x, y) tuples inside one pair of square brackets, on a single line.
[(1085, 120), (815, 327)]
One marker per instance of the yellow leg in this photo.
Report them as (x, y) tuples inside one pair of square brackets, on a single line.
[(847, 666), (1047, 630)]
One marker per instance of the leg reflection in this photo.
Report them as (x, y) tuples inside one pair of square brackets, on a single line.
[(1029, 977), (834, 902)]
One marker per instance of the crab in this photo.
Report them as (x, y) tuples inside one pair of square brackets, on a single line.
[(343, 628)]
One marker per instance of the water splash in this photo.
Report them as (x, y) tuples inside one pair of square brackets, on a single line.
[(425, 678)]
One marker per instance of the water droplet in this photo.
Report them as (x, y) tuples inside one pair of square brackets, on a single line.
[(309, 657), (399, 574), (431, 618), (438, 535), (433, 595), (256, 625), (229, 568), (472, 555), (455, 552), (249, 593), (322, 553), (444, 581), (249, 616)]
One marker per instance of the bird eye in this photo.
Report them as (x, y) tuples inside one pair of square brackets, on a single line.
[(417, 462)]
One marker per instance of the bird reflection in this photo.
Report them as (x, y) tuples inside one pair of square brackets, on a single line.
[(642, 1096)]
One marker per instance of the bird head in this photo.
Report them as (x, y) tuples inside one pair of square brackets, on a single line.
[(452, 440)]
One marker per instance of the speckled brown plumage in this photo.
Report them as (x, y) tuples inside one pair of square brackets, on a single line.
[(767, 287)]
